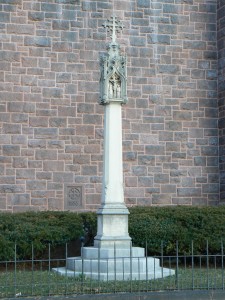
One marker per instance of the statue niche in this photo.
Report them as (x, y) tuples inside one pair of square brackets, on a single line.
[(113, 78)]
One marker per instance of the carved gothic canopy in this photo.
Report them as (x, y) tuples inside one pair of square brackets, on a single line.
[(113, 78)]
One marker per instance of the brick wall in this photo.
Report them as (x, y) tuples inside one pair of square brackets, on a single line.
[(221, 94), (52, 127)]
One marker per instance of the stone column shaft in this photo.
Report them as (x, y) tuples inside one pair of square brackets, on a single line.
[(112, 191), (113, 214)]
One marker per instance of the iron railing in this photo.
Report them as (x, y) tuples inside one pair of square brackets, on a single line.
[(35, 277)]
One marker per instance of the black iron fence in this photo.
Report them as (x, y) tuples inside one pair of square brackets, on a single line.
[(36, 277)]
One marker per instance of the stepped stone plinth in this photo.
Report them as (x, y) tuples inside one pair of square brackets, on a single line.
[(115, 264)]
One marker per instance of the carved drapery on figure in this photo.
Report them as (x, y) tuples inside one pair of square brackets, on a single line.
[(113, 79), (114, 86)]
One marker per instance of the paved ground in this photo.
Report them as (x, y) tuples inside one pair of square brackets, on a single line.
[(177, 295)]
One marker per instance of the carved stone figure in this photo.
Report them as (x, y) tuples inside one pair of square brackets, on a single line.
[(114, 87)]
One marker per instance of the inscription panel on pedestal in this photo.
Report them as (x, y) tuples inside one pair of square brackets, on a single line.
[(73, 197)]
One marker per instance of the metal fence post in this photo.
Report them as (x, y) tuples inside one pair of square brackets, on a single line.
[(82, 269), (222, 263), (162, 261), (114, 248), (66, 255), (82, 266), (49, 267), (131, 254), (98, 268), (177, 265), (32, 266), (192, 264), (207, 263), (15, 269), (146, 258)]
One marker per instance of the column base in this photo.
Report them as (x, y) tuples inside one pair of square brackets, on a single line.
[(114, 264), (122, 242), (112, 226)]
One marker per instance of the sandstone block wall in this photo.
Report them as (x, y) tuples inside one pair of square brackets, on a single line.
[(51, 127), (221, 94)]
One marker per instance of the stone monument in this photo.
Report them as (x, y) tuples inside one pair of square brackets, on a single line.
[(112, 257)]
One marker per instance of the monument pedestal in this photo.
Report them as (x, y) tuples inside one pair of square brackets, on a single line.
[(112, 225), (108, 264)]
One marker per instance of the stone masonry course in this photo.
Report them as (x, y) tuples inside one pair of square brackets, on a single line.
[(51, 125)]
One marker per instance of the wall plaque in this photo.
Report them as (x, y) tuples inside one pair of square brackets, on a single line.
[(73, 197)]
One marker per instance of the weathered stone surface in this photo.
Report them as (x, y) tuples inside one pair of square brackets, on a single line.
[(146, 160), (168, 189), (10, 56), (161, 178), (169, 69), (178, 173), (7, 180), (19, 139), (161, 199), (36, 16), (20, 162), (73, 149), (37, 144), (200, 161), (45, 133), (85, 108), (129, 156), (134, 192), (11, 188), (20, 199), (63, 177), (37, 41), (159, 39), (209, 150), (58, 122), (62, 47), (139, 171), (10, 150), (53, 165), (182, 201), (4, 17), (89, 170), (155, 150), (38, 122), (11, 129), (25, 174), (35, 185), (56, 144), (211, 188), (51, 124), (187, 192), (198, 45), (45, 154), (146, 181), (52, 92)]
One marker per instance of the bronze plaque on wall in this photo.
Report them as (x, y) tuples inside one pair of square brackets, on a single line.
[(73, 197)]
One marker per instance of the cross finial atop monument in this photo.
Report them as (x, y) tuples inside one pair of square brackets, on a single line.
[(113, 25)]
